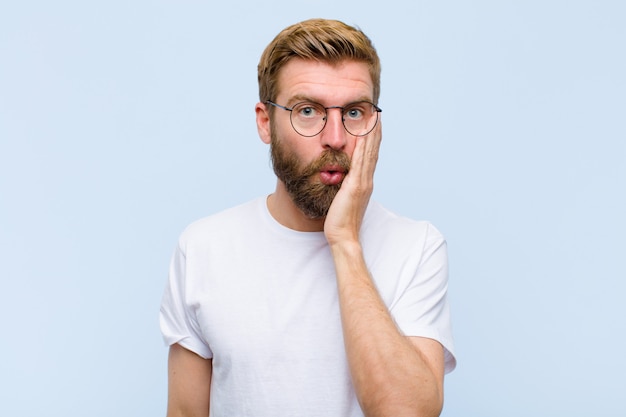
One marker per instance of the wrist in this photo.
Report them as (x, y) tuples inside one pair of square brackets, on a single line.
[(346, 249)]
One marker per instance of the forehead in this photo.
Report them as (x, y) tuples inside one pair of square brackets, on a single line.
[(328, 84)]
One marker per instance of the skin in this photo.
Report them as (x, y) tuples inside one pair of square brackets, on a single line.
[(393, 375)]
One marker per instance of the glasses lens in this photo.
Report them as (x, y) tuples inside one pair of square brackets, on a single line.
[(360, 118), (308, 119)]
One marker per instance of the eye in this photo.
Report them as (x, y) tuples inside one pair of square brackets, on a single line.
[(355, 111), (308, 110)]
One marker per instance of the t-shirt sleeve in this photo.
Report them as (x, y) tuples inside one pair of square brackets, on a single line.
[(177, 319), (423, 309)]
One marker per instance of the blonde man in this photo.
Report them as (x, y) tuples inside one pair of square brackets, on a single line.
[(312, 300)]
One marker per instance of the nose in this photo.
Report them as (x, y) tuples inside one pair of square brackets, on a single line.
[(334, 135)]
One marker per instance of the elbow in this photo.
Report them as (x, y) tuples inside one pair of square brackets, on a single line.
[(432, 409), (421, 404), (431, 404), (428, 408)]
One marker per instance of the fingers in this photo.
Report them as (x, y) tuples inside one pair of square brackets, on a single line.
[(373, 144), (349, 205), (365, 156)]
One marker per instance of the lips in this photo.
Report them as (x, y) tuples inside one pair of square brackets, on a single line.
[(332, 175)]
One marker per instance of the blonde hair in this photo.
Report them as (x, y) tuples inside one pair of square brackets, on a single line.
[(322, 40)]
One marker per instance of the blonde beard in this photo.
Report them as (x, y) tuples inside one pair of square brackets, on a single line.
[(310, 195)]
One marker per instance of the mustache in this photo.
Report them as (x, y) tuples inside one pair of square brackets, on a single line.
[(328, 157)]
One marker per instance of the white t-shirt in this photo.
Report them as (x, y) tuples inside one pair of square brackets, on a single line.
[(261, 301)]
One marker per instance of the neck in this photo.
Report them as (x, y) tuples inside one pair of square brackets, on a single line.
[(285, 212)]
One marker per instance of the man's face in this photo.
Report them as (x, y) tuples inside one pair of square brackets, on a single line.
[(308, 192), (313, 168)]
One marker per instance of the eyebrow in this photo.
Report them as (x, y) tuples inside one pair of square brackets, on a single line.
[(301, 97)]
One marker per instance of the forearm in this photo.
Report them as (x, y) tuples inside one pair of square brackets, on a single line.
[(390, 375)]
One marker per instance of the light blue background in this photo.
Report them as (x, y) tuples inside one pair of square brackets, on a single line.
[(123, 121)]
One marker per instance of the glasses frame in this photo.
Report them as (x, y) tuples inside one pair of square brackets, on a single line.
[(343, 120)]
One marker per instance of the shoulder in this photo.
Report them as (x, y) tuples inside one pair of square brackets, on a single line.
[(395, 238), (227, 222), (385, 223)]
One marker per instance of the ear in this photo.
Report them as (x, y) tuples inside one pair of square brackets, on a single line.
[(263, 122)]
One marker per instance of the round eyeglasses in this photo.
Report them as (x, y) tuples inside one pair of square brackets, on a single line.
[(308, 118)]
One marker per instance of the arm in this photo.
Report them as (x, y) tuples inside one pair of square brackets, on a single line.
[(393, 375), (189, 383)]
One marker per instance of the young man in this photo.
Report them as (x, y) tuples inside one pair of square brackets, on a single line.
[(312, 301)]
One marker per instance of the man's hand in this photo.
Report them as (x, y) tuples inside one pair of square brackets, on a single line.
[(346, 212), (392, 374)]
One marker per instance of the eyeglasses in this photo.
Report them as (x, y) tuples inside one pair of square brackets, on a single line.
[(308, 118)]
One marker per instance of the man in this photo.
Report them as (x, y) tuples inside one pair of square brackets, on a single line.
[(312, 301)]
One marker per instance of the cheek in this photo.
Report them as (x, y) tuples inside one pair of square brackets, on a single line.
[(305, 149), (350, 146)]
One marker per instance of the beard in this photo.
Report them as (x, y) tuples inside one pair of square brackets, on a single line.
[(308, 193)]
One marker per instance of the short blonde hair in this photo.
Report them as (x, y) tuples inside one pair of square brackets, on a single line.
[(322, 40)]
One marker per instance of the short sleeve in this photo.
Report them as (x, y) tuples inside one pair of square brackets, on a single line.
[(423, 309), (176, 319)]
